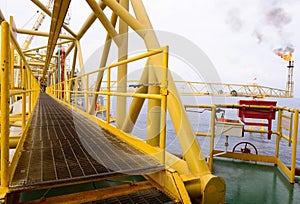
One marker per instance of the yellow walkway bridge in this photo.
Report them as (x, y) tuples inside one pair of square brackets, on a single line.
[(65, 154)]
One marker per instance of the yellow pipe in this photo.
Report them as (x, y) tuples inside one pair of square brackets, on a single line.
[(136, 104), (86, 95), (30, 92), (256, 131), (108, 97), (154, 112), (294, 147), (42, 34), (23, 98), (5, 66), (60, 9), (164, 93), (13, 141), (203, 134), (103, 62), (279, 131), (110, 28), (12, 57), (212, 138), (122, 68), (125, 15), (45, 46)]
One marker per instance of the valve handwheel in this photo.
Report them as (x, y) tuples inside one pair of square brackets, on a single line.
[(246, 148)]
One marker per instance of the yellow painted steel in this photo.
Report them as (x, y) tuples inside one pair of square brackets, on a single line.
[(110, 28), (30, 87), (164, 93), (212, 135), (5, 66), (125, 15), (57, 19), (199, 182), (103, 62), (12, 57), (23, 97), (294, 147), (42, 34), (279, 133)]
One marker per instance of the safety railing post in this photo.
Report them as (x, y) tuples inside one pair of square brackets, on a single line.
[(5, 66), (76, 88), (294, 147), (86, 94), (65, 91), (212, 137), (164, 93), (30, 91), (108, 96), (23, 97), (279, 132)]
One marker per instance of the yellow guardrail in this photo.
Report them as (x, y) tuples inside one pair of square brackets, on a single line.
[(287, 120), (29, 91), (72, 87)]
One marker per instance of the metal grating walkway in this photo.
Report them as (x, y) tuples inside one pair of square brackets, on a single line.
[(150, 196), (63, 146)]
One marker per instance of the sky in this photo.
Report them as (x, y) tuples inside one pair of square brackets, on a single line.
[(238, 36)]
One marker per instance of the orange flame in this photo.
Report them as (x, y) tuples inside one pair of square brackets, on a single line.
[(287, 57)]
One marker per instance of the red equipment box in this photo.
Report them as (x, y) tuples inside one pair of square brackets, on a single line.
[(256, 113)]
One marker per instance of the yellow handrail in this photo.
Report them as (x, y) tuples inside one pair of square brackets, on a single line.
[(30, 89)]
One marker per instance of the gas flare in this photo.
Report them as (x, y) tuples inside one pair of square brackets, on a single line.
[(286, 53)]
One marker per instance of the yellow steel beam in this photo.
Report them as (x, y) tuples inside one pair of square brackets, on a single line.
[(43, 34), (48, 12), (60, 9), (45, 46), (87, 24), (126, 16), (12, 56), (136, 104), (5, 66), (122, 68), (23, 97), (294, 148), (103, 19), (103, 62)]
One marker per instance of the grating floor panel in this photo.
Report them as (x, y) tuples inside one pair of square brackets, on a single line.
[(151, 196), (61, 145)]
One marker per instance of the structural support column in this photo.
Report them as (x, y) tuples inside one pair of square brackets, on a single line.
[(136, 104), (80, 58), (5, 66), (103, 62), (122, 69)]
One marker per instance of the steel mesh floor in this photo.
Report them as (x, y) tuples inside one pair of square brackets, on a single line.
[(61, 145), (151, 196)]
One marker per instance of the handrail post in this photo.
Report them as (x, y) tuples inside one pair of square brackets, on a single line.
[(294, 147), (5, 66), (108, 96), (87, 94), (164, 93), (279, 133), (23, 97), (212, 136)]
